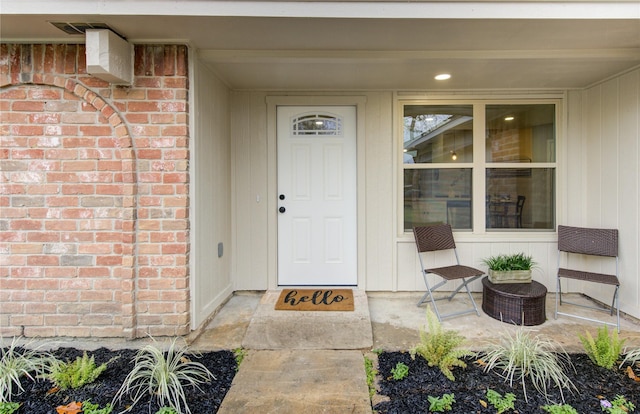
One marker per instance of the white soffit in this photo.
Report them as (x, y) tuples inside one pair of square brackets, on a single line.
[(336, 9)]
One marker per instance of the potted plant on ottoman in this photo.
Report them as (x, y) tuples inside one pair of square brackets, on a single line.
[(510, 268)]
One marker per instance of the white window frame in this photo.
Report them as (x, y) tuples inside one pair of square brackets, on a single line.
[(479, 165)]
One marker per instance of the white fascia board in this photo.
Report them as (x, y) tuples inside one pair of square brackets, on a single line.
[(629, 9)]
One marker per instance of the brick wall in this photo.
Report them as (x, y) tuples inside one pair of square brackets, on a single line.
[(93, 195)]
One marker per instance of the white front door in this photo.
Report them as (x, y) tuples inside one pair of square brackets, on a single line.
[(317, 229)]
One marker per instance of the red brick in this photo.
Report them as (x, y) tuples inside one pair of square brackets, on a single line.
[(26, 225), (61, 225), (85, 165), (27, 130), (78, 142), (153, 154), (30, 106), (78, 189), (48, 260), (43, 236), (62, 201)]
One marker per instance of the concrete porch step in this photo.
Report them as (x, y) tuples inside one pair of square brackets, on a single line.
[(276, 329)]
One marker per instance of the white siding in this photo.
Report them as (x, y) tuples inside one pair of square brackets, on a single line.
[(604, 125), (210, 196)]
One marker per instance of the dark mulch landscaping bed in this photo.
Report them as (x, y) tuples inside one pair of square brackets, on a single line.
[(38, 400), (409, 395)]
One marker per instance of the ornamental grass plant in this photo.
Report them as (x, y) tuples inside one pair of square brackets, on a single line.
[(162, 376), (17, 362), (521, 356)]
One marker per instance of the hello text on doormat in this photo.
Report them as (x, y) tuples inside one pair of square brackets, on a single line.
[(315, 300)]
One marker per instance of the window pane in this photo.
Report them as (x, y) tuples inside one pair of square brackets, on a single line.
[(520, 198), (521, 133), (437, 196), (438, 133)]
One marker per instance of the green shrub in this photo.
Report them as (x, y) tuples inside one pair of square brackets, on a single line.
[(441, 347), (17, 363), (605, 350), (90, 408), (8, 407), (400, 371), (521, 356), (559, 409), (619, 405), (75, 374), (160, 375), (441, 404), (500, 403)]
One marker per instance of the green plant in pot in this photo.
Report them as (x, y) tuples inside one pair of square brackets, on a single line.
[(510, 268)]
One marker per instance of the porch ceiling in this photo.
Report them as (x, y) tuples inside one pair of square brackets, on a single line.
[(400, 53)]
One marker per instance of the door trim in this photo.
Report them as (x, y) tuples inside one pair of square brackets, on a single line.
[(272, 180)]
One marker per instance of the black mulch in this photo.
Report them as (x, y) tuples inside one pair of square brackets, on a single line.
[(409, 395), (37, 400)]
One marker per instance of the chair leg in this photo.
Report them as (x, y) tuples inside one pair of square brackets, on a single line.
[(617, 307), (431, 290)]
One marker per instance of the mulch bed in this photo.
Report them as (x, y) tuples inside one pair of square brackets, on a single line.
[(37, 398), (409, 395)]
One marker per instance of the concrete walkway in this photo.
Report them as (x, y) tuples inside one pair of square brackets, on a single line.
[(302, 362)]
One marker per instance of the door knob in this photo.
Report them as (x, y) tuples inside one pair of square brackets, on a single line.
[(282, 209)]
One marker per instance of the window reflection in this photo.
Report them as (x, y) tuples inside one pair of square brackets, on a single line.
[(438, 133), (519, 198), (520, 133), (438, 196)]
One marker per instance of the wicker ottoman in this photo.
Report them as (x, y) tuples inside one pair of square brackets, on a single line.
[(517, 303)]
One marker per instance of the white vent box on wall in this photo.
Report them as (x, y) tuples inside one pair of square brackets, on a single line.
[(109, 57)]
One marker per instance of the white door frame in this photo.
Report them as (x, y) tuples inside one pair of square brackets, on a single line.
[(272, 181)]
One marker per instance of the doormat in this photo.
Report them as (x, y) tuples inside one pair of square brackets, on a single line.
[(315, 300)]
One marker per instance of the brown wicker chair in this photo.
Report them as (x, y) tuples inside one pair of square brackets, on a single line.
[(591, 242), (440, 237)]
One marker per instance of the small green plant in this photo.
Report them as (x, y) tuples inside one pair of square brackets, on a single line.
[(75, 374), (371, 373), (500, 403), (239, 354), (89, 408), (505, 262), (605, 349), (400, 371), (632, 357), (16, 363), (441, 348), (522, 356), (162, 376), (167, 410), (441, 404), (560, 409), (8, 407), (619, 405)]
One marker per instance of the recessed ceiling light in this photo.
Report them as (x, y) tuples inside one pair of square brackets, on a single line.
[(443, 76), (508, 118)]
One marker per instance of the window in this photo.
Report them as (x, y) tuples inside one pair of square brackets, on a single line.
[(513, 162)]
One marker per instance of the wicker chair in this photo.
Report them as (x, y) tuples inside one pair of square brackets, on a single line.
[(436, 238), (591, 242)]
